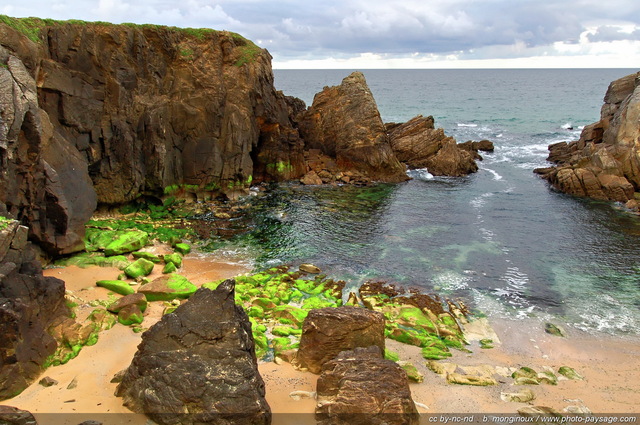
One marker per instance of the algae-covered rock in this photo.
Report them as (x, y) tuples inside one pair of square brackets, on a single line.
[(118, 286), (555, 330), (168, 287), (130, 315), (480, 381), (88, 259), (182, 248), (525, 376), (137, 299), (126, 241), (295, 314), (138, 268), (570, 373), (486, 343), (547, 377), (169, 268), (174, 258), (523, 396), (391, 355), (147, 256), (412, 372)]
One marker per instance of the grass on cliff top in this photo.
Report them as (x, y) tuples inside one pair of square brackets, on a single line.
[(32, 27)]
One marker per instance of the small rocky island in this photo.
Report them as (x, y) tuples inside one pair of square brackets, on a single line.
[(95, 116), (605, 163)]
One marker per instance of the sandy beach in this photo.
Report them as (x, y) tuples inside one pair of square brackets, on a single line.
[(609, 365)]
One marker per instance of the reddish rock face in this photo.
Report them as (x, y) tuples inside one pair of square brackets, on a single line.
[(360, 387), (605, 163), (328, 331), (344, 123)]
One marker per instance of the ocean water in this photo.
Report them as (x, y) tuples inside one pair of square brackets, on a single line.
[(500, 239)]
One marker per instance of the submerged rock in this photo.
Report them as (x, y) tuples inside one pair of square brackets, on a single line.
[(329, 331), (360, 386), (197, 365)]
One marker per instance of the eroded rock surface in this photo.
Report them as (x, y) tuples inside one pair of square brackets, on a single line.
[(344, 123), (419, 144), (198, 365), (360, 387), (328, 331), (605, 163)]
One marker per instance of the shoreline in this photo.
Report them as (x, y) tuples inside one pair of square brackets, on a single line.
[(608, 363)]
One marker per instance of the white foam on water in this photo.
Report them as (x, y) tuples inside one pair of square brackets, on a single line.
[(496, 176), (420, 174), (461, 124), (567, 126), (480, 201), (451, 281), (607, 315)]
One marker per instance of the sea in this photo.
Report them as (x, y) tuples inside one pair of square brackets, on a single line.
[(500, 239)]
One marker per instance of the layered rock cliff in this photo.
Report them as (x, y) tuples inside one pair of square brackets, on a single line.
[(605, 163)]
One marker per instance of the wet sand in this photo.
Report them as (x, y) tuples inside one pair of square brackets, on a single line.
[(609, 364)]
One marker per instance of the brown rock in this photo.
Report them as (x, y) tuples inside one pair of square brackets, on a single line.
[(418, 144), (360, 387), (198, 365), (605, 163), (328, 331), (132, 299), (344, 123), (311, 178), (13, 416)]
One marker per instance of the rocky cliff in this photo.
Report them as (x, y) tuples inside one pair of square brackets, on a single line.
[(605, 163), (94, 112)]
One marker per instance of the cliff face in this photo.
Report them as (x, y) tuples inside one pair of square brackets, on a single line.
[(605, 163), (104, 113)]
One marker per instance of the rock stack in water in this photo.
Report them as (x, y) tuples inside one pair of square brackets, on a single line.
[(198, 365), (605, 163)]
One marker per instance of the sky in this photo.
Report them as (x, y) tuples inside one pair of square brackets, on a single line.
[(368, 34)]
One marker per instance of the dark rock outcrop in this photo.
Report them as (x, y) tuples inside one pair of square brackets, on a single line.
[(344, 123), (198, 365), (329, 331), (29, 305), (419, 144), (360, 387), (13, 416), (605, 163)]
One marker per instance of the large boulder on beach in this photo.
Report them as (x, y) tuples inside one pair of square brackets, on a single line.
[(419, 144), (344, 123), (361, 387), (29, 304), (328, 331), (604, 163), (198, 365)]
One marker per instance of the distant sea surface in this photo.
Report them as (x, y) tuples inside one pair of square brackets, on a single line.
[(500, 239)]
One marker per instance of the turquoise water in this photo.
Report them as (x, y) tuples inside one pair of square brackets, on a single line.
[(501, 238)]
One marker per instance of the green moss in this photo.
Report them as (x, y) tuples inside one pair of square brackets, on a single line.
[(183, 248), (435, 353), (169, 268), (4, 221), (412, 372), (117, 286), (247, 49), (280, 167), (187, 54), (174, 258), (391, 355), (139, 268), (147, 256)]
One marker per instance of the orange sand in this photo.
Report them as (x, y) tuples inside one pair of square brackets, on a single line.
[(610, 366)]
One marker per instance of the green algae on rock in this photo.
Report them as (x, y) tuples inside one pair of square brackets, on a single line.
[(118, 286), (139, 268), (168, 287), (169, 268), (174, 258), (88, 259), (182, 248), (115, 242), (570, 373), (130, 315), (147, 256)]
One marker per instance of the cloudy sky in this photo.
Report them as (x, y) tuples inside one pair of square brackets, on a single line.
[(392, 33)]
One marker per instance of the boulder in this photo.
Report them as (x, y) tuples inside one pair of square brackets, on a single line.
[(198, 365), (130, 315), (10, 415), (361, 387), (344, 123), (419, 144), (132, 299), (121, 287), (604, 163), (167, 288), (139, 268), (29, 305), (328, 331)]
